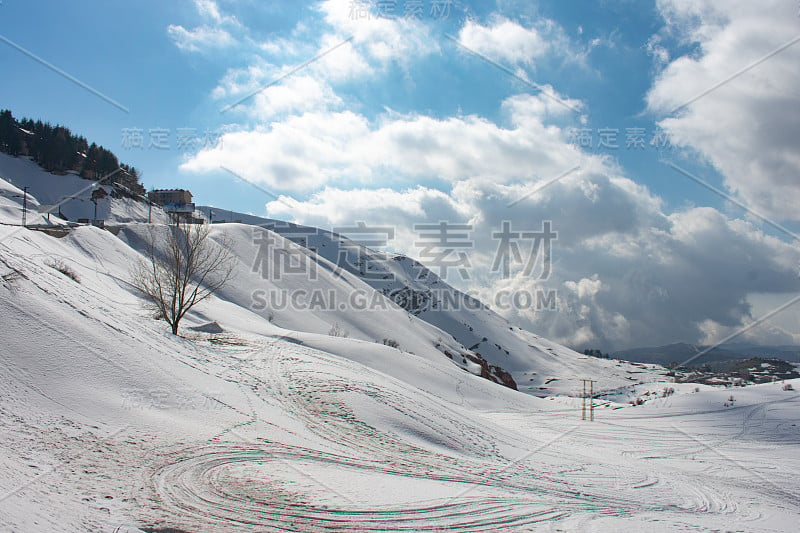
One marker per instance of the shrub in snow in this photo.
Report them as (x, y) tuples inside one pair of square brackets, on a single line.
[(391, 342), (338, 331), (64, 268)]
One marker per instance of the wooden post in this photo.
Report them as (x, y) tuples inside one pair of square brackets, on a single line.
[(583, 401), (590, 395)]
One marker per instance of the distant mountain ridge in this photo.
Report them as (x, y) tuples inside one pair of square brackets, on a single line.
[(681, 352)]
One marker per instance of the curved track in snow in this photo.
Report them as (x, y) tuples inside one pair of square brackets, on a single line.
[(458, 477)]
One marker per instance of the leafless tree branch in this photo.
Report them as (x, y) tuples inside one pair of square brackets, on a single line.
[(181, 267)]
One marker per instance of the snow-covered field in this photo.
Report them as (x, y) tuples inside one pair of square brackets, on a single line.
[(110, 423)]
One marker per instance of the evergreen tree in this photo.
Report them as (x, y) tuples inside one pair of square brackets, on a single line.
[(57, 149), (10, 142)]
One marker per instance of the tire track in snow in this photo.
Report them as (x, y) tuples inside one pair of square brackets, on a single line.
[(203, 483)]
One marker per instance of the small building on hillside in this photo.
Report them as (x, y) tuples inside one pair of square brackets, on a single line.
[(170, 196), (177, 203)]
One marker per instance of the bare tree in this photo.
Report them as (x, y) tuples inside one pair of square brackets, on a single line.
[(182, 267)]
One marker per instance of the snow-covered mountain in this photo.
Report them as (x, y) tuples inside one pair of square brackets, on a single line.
[(341, 289), (273, 420), (536, 365)]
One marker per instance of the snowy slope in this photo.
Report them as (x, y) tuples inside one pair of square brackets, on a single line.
[(108, 423), (386, 321), (70, 192), (538, 366), (484, 342)]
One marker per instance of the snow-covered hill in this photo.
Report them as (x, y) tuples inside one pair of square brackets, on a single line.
[(485, 343), (71, 193), (537, 366), (110, 423)]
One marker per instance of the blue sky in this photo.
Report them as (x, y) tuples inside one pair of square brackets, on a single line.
[(406, 122), (126, 52)]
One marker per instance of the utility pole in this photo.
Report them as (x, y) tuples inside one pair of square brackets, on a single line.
[(591, 400), (583, 401), (25, 206)]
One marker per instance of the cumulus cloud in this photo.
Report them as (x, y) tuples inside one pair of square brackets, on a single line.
[(625, 272), (735, 99), (511, 42), (214, 34), (299, 153), (295, 95), (383, 40), (504, 39), (200, 38), (405, 148), (345, 63)]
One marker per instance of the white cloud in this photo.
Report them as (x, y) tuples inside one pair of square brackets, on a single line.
[(333, 206), (344, 63), (748, 127), (658, 51), (300, 153), (626, 273), (200, 38), (209, 9), (243, 81), (266, 92), (297, 94), (383, 40), (212, 35), (345, 50), (396, 147), (504, 40)]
